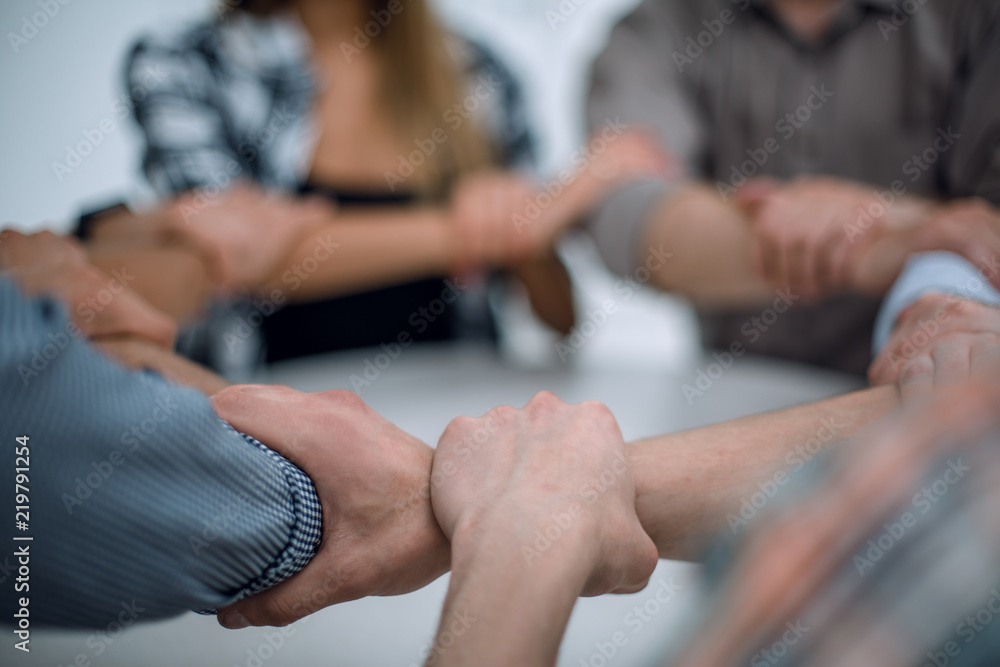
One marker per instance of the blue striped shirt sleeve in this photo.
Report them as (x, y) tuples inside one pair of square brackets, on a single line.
[(143, 503)]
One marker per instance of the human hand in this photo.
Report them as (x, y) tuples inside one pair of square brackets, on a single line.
[(940, 341), (379, 533), (633, 153), (483, 209), (968, 227), (101, 305), (811, 234), (546, 460), (244, 234)]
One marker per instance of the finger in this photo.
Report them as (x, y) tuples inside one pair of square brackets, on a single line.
[(985, 359), (261, 411), (916, 379), (131, 314), (324, 582), (951, 361)]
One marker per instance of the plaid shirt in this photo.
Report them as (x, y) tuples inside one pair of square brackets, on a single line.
[(231, 99)]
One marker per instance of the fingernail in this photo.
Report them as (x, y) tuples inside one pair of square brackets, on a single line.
[(234, 620)]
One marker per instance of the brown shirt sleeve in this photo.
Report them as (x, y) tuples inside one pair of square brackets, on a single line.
[(637, 82)]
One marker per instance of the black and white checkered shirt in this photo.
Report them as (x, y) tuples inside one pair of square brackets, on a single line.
[(230, 99)]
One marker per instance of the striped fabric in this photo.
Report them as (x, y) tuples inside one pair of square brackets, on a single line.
[(143, 504)]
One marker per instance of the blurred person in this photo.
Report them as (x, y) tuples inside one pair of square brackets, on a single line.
[(883, 552), (821, 143), (419, 139)]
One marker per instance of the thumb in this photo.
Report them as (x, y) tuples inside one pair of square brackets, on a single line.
[(316, 587)]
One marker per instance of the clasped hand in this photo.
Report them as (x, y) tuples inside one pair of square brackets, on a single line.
[(395, 512)]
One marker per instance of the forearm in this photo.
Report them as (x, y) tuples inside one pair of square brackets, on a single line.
[(173, 279), (687, 483), (710, 242), (140, 354), (360, 251), (503, 609)]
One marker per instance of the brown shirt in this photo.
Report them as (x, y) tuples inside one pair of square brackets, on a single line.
[(897, 91)]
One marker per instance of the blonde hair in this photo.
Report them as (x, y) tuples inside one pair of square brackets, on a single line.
[(420, 82)]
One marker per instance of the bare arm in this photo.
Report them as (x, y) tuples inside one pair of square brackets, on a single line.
[(710, 241), (687, 483), (366, 251), (138, 354), (811, 235)]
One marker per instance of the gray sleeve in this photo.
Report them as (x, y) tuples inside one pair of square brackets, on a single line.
[(931, 272), (141, 503), (973, 168), (637, 81)]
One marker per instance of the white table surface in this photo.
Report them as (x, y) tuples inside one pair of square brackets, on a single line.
[(422, 391)]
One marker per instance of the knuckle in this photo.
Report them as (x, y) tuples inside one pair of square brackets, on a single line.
[(546, 399), (345, 399), (916, 369), (502, 413), (458, 426), (599, 412)]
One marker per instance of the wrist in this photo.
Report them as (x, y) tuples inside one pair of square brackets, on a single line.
[(561, 537), (449, 255)]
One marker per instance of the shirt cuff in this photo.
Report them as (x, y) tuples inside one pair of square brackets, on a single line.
[(304, 539), (617, 224), (931, 272)]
